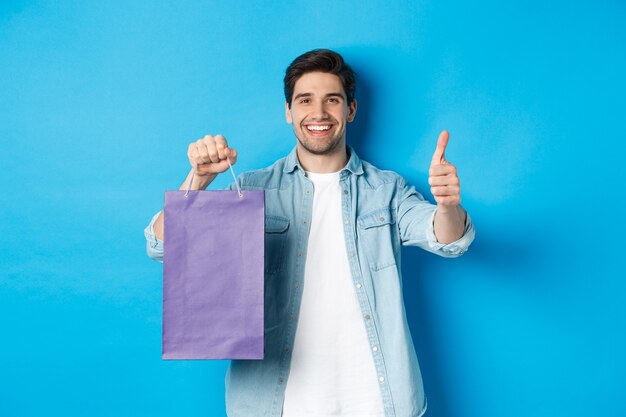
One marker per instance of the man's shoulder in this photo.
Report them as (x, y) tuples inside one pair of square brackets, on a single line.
[(266, 178), (374, 177)]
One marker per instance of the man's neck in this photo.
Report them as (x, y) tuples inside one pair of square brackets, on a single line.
[(322, 164)]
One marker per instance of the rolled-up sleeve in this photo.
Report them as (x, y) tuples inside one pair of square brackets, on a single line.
[(154, 246), (416, 224), (456, 248)]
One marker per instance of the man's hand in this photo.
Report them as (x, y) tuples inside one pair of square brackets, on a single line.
[(208, 155), (443, 179), (444, 184)]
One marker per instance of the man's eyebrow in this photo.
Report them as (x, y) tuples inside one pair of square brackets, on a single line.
[(302, 95), (311, 94)]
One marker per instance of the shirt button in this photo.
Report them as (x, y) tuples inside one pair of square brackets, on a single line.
[(280, 380), (345, 191), (358, 285), (382, 219), (346, 221), (381, 379), (375, 348), (351, 254), (366, 317), (286, 349)]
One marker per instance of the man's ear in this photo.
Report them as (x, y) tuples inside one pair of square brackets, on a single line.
[(351, 111), (288, 113)]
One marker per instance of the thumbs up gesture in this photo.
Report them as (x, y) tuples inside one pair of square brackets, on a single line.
[(443, 179)]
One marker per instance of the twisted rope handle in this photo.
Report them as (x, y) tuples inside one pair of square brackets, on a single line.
[(232, 171)]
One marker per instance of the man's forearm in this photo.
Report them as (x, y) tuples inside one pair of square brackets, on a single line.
[(199, 183), (449, 223)]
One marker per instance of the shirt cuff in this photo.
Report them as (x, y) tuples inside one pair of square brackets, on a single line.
[(456, 248), (154, 246)]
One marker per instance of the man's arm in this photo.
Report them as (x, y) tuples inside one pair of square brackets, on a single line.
[(416, 221), (444, 229), (208, 158), (449, 225)]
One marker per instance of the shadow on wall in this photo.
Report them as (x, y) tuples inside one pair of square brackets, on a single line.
[(372, 78), (358, 131), (417, 267), (510, 259), (381, 79)]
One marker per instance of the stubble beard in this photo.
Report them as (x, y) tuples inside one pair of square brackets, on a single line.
[(317, 147)]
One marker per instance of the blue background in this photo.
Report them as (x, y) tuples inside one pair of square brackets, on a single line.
[(99, 100)]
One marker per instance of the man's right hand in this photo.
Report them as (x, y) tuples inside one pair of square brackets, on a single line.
[(208, 155)]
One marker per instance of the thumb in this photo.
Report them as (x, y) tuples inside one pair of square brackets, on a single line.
[(439, 155)]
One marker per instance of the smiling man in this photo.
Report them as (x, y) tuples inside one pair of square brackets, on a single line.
[(319, 113), (337, 342)]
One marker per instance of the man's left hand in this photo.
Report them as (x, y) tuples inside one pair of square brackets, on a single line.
[(443, 178)]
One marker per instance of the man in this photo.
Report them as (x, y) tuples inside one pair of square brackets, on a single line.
[(337, 341)]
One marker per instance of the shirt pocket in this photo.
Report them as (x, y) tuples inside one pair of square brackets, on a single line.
[(275, 238), (379, 237)]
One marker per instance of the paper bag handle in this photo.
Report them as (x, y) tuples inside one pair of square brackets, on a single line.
[(232, 171)]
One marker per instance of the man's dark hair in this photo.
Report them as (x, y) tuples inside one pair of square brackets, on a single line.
[(322, 60)]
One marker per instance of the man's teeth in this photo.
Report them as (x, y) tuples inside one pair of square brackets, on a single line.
[(318, 128)]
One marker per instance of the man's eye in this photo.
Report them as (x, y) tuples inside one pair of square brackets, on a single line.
[(305, 101), (333, 100)]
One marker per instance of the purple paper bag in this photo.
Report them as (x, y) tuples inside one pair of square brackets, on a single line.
[(213, 275)]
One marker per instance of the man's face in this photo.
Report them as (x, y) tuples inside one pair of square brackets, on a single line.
[(319, 112)]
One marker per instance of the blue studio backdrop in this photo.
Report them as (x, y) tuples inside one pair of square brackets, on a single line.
[(99, 100)]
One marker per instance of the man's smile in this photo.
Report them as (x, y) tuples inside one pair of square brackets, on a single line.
[(318, 129)]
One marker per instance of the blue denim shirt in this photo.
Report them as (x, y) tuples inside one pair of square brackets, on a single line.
[(380, 213)]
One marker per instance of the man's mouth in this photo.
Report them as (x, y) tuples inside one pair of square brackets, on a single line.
[(318, 129)]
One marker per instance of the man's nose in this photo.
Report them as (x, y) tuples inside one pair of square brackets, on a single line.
[(319, 110)]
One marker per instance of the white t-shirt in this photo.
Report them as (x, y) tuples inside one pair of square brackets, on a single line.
[(332, 370)]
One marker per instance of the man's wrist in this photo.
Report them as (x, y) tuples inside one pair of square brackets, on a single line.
[(201, 182), (447, 210)]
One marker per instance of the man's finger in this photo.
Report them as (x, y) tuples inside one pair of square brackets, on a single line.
[(443, 180), (439, 169), (201, 153), (230, 153), (442, 142), (445, 190)]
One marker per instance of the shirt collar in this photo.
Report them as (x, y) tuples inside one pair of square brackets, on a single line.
[(354, 165)]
